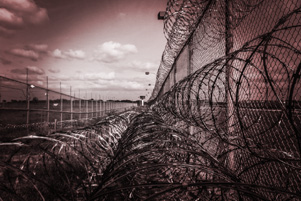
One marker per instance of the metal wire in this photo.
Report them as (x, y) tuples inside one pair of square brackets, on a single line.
[(228, 131)]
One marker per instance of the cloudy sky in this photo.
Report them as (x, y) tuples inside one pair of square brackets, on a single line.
[(98, 46)]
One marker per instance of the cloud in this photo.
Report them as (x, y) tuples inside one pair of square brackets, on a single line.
[(110, 52), (125, 84), (141, 65), (10, 19), (18, 14), (58, 54), (122, 15), (31, 70), (52, 70), (120, 84), (75, 54), (7, 33), (5, 61), (41, 48), (30, 54), (26, 11), (86, 77), (96, 76)]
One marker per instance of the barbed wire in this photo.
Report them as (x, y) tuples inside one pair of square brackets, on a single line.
[(200, 20), (65, 165), (214, 136)]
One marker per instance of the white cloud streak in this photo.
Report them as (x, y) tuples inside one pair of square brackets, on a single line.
[(31, 70), (29, 54), (71, 54), (110, 52), (41, 48)]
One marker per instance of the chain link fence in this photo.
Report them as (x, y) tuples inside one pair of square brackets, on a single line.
[(224, 123), (230, 73), (26, 108)]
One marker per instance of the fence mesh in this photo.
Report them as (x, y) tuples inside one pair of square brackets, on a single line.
[(230, 130), (244, 91), (29, 109)]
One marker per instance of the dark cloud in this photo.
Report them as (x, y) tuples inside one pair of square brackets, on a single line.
[(18, 14), (5, 61)]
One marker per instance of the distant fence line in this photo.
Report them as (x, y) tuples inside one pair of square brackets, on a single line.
[(25, 105)]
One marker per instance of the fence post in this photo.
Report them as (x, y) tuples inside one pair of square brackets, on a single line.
[(71, 106), (104, 108), (0, 92), (92, 107), (229, 104), (80, 106), (96, 108), (27, 101), (47, 98), (61, 111), (87, 109), (101, 108)]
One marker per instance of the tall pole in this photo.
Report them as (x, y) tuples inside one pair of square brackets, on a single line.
[(47, 97), (0, 92), (61, 105), (87, 107), (99, 105), (92, 104), (96, 107), (229, 84), (71, 106), (80, 106), (27, 100)]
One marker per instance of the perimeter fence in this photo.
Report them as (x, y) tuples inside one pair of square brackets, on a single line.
[(26, 108), (229, 130), (230, 74)]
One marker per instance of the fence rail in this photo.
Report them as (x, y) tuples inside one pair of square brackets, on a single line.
[(23, 104)]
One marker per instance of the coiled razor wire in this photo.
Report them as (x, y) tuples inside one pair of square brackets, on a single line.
[(60, 166), (193, 147), (185, 17), (214, 136)]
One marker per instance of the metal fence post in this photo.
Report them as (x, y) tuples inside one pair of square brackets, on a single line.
[(101, 108), (0, 92), (61, 111), (229, 105), (96, 108), (27, 101), (80, 106), (92, 107), (87, 109), (71, 106), (47, 97)]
